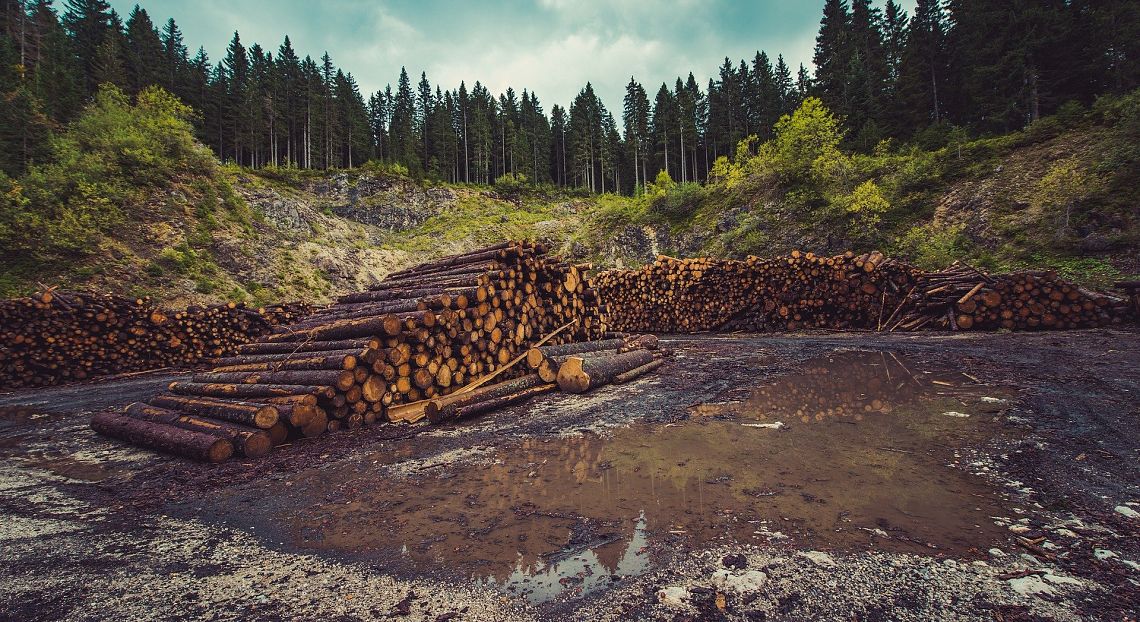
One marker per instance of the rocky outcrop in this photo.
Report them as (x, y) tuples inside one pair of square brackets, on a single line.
[(391, 203)]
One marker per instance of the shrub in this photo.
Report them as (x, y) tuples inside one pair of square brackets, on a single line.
[(933, 246), (110, 157), (811, 132), (679, 202), (866, 206)]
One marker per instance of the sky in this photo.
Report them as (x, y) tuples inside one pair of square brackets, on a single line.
[(551, 47)]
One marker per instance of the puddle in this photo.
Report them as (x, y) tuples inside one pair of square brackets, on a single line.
[(19, 424), (859, 462)]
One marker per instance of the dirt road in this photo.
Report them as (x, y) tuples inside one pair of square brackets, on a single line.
[(821, 476)]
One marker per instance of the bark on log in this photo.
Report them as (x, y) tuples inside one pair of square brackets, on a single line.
[(578, 375), (161, 437), (446, 407), (249, 390), (250, 442), (495, 403), (246, 413)]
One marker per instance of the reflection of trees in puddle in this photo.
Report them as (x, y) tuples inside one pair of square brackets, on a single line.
[(582, 572), (847, 386), (552, 516)]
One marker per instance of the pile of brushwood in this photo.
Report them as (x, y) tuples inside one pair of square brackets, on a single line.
[(61, 336), (848, 291), (427, 343)]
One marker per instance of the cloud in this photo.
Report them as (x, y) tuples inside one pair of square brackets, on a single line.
[(552, 47)]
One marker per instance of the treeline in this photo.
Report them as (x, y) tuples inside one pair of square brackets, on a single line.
[(986, 65)]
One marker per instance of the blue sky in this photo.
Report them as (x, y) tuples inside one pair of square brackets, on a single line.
[(552, 47)]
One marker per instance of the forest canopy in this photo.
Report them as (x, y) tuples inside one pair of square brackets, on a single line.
[(976, 66)]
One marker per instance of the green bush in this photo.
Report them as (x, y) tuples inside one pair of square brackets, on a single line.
[(933, 246), (107, 161), (679, 202)]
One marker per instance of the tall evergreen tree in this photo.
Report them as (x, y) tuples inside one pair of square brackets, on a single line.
[(144, 51), (88, 22), (833, 55), (922, 71)]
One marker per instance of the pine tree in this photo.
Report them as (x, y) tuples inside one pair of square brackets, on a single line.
[(922, 71), (175, 59), (109, 66), (144, 51), (88, 22), (558, 145), (833, 51), (665, 139), (56, 75), (403, 131)]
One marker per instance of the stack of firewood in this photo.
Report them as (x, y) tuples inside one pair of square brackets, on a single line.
[(804, 291), (964, 298), (422, 335), (801, 290), (59, 336)]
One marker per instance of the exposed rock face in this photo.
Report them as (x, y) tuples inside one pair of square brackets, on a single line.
[(389, 203), (640, 244), (288, 214)]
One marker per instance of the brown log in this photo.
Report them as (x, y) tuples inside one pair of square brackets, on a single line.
[(495, 403), (578, 374), (246, 413), (446, 407), (250, 442), (637, 372), (249, 390), (162, 437), (341, 379)]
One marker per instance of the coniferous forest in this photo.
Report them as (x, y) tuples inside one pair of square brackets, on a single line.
[(985, 66)]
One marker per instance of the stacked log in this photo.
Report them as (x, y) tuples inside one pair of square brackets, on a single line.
[(425, 333), (801, 290), (964, 298), (870, 291), (61, 336)]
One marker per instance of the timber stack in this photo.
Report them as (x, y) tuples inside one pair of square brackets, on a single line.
[(964, 298), (427, 338), (62, 336), (849, 291), (801, 290)]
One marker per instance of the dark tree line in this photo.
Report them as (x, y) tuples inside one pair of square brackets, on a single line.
[(988, 65)]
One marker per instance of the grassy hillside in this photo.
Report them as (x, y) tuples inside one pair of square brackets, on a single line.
[(1061, 194), (129, 202)]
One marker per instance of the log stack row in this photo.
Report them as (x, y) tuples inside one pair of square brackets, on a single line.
[(964, 298), (423, 334), (59, 336), (870, 291), (801, 290)]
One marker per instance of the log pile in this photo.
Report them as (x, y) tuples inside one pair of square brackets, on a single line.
[(60, 336), (870, 292), (964, 298), (801, 290), (421, 342)]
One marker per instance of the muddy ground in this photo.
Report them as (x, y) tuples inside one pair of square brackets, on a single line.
[(821, 477)]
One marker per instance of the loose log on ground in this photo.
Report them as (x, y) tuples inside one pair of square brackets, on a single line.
[(495, 403), (578, 374), (249, 390), (163, 437), (246, 413), (443, 408)]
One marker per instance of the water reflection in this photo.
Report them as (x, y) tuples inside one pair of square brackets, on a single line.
[(562, 516)]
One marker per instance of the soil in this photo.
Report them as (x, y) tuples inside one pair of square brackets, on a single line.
[(853, 476)]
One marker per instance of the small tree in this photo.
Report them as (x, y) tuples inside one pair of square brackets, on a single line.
[(1060, 190), (866, 206), (811, 132)]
